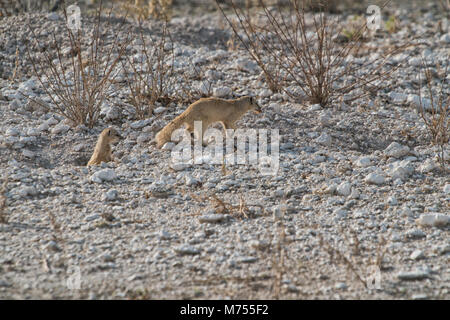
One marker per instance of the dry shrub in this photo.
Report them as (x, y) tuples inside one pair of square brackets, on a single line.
[(191, 92), (300, 53), (151, 73), (78, 78), (158, 9), (240, 210), (353, 256), (436, 118)]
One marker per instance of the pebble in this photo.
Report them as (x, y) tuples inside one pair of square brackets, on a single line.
[(186, 250), (104, 175), (396, 150), (222, 92), (111, 195), (375, 178), (211, 218), (417, 255), (413, 275), (344, 189), (433, 220)]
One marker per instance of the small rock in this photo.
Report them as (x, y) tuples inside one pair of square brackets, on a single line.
[(428, 166), (341, 286), (433, 220), (103, 175), (186, 250), (168, 146), (222, 92), (374, 178), (447, 188), (412, 275), (191, 181), (159, 110), (396, 150), (344, 189), (324, 139), (247, 259), (415, 234), (364, 162), (211, 218), (60, 128), (417, 255), (164, 235), (111, 195)]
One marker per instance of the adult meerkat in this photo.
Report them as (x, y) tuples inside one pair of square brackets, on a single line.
[(102, 151), (209, 110)]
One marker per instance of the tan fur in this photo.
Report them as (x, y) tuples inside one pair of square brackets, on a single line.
[(209, 110), (102, 151)]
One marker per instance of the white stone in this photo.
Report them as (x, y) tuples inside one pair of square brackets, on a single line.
[(417, 255), (398, 97), (315, 107), (60, 128), (433, 220), (27, 191), (375, 178), (265, 93), (191, 181), (222, 92), (12, 132), (364, 162), (324, 139), (111, 195), (412, 275), (140, 124), (52, 121), (186, 250), (211, 218), (392, 201), (33, 132), (428, 166), (325, 119), (103, 175), (159, 110), (396, 150), (400, 169), (344, 189), (28, 153), (447, 188), (445, 38), (168, 146)]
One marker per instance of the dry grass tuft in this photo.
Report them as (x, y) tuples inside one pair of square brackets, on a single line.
[(150, 77), (436, 118), (353, 256), (240, 210), (300, 53), (78, 78)]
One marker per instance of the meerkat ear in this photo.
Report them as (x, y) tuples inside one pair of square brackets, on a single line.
[(251, 100), (109, 132)]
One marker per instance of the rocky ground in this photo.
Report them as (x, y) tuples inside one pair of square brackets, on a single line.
[(359, 193)]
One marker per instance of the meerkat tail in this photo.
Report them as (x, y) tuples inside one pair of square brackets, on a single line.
[(165, 134)]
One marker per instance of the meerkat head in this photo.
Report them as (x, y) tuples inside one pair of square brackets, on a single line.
[(112, 135), (252, 104)]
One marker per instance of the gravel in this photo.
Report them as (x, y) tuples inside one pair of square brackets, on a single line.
[(355, 179)]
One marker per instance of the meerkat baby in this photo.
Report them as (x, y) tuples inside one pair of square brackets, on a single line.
[(102, 151), (209, 110)]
